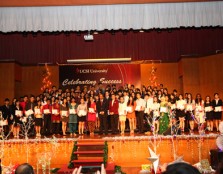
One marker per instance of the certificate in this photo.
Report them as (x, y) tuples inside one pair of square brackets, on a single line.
[(173, 107), (163, 109), (199, 108), (179, 106), (218, 109), (3, 122), (156, 113), (18, 113), (146, 110), (121, 113), (129, 109), (138, 108), (189, 108), (208, 109), (54, 111), (24, 119), (72, 111), (46, 111), (64, 113), (29, 112), (82, 113), (37, 111), (91, 110)]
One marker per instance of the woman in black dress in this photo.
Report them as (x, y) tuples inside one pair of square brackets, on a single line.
[(189, 111), (17, 112), (208, 108), (217, 103), (38, 118)]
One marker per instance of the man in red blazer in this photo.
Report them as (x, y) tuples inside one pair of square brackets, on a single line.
[(113, 112)]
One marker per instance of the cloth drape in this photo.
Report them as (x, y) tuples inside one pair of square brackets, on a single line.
[(101, 17)]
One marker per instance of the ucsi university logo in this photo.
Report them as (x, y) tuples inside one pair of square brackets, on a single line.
[(90, 71)]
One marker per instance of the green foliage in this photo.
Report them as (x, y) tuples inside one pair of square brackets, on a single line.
[(118, 169), (54, 170), (73, 156), (105, 157)]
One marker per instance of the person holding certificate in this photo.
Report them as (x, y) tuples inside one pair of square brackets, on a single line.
[(131, 105), (180, 113), (38, 118), (30, 119), (199, 110), (73, 117), (140, 107), (102, 109), (17, 112), (81, 112), (217, 107), (164, 119), (155, 114), (64, 115), (56, 117), (113, 111), (122, 114), (91, 115), (190, 106), (46, 110), (7, 116), (208, 108)]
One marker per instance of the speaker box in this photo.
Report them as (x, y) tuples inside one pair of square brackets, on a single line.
[(216, 156)]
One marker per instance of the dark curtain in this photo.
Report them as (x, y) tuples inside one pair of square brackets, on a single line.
[(166, 45)]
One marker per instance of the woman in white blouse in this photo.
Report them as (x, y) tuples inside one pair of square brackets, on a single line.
[(122, 114), (181, 103)]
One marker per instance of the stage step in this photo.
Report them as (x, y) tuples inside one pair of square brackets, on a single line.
[(88, 160), (90, 144), (89, 152)]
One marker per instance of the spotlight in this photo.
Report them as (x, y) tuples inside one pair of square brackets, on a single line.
[(141, 31), (88, 37), (95, 32)]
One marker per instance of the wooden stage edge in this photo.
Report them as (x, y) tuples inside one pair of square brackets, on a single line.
[(125, 151)]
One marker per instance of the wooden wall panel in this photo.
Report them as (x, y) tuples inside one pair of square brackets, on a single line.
[(191, 78), (32, 79), (7, 83), (167, 74), (211, 75)]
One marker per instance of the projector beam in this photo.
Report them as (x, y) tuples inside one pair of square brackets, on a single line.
[(105, 60)]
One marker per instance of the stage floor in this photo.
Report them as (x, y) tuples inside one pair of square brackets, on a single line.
[(126, 151)]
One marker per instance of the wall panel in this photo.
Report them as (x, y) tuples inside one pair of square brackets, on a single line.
[(32, 79), (191, 80), (211, 75), (167, 74), (7, 83)]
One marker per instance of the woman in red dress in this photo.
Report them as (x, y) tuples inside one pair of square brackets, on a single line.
[(56, 117), (91, 115)]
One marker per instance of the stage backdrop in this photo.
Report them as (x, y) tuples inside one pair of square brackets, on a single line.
[(119, 74)]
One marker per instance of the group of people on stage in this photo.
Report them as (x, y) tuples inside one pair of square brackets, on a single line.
[(147, 109)]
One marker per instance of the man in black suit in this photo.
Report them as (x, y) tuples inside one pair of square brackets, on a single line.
[(102, 109), (7, 115)]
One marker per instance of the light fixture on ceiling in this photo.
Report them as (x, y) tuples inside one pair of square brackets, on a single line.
[(88, 36), (95, 32), (141, 31), (102, 60)]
